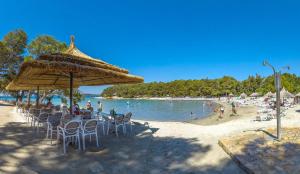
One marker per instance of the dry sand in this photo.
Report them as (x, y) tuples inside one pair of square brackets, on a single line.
[(214, 118), (164, 147)]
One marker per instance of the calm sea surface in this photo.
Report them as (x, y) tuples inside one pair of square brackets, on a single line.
[(152, 110)]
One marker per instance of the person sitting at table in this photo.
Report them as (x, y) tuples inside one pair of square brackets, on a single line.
[(75, 108), (49, 104), (89, 106)]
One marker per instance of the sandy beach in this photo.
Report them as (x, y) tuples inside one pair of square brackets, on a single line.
[(214, 118), (163, 147), (149, 87)]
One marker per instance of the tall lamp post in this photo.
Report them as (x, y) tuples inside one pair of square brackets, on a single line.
[(277, 84)]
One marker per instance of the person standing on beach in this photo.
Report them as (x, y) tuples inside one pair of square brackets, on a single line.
[(100, 107), (233, 108), (222, 110)]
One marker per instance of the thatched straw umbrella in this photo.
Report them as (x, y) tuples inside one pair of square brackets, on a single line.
[(255, 94), (243, 95), (269, 95), (231, 95), (285, 94), (69, 69)]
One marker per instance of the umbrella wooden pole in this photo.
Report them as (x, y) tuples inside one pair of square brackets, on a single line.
[(37, 96), (71, 92)]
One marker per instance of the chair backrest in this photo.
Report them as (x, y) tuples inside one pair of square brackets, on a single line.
[(36, 112), (127, 117), (72, 127), (43, 117), (119, 119), (87, 115), (67, 117), (64, 109), (112, 112), (90, 125), (57, 108), (106, 118), (26, 107), (31, 110), (58, 114), (54, 120), (46, 111)]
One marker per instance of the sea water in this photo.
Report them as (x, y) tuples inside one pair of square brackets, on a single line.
[(152, 110)]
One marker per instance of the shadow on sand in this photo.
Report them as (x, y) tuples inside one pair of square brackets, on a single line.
[(265, 154), (22, 150)]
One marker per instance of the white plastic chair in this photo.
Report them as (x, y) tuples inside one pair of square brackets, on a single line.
[(33, 114), (90, 128), (26, 113), (118, 122), (64, 110), (101, 121), (108, 123), (127, 121), (70, 131), (41, 119), (53, 122), (66, 117)]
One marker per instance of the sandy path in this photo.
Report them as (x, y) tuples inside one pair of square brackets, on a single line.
[(8, 114), (174, 147), (167, 147), (209, 135)]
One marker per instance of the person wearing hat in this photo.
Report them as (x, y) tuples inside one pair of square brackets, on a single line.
[(89, 106)]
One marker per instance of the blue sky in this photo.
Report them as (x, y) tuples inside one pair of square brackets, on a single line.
[(168, 40)]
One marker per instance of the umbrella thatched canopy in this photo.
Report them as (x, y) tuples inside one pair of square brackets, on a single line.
[(285, 94), (269, 94), (255, 94), (298, 95), (231, 95), (53, 72), (69, 69), (243, 95)]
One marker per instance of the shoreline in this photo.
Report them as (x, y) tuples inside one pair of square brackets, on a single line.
[(160, 98), (210, 119), (214, 119)]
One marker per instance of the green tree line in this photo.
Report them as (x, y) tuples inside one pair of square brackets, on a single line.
[(204, 87)]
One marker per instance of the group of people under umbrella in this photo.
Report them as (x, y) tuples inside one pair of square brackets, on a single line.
[(68, 70)]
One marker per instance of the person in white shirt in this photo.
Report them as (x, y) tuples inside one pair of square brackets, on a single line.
[(100, 107)]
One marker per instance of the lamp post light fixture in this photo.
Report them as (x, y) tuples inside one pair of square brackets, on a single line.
[(277, 80)]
